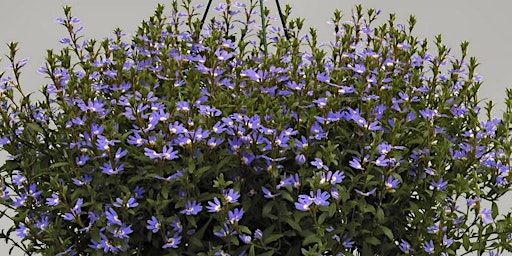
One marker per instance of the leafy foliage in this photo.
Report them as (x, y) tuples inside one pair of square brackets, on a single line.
[(192, 140)]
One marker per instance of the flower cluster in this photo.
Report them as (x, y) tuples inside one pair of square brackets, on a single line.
[(196, 139)]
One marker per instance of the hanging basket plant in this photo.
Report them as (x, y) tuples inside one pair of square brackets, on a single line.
[(231, 137)]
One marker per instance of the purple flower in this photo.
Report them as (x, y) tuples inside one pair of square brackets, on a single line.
[(192, 208), (108, 169), (235, 216), (302, 143), (300, 159), (255, 76), (320, 198), (369, 193), (294, 86), (168, 153), (136, 139), (440, 185), (319, 164), (447, 241), (183, 106), (174, 176), (317, 132), (129, 204), (245, 238), (199, 135), (391, 183), (225, 231), (347, 242), (122, 231), (214, 206), (104, 144), (176, 225), (43, 223), (20, 201), (80, 161), (75, 211), (54, 200), (86, 179), (267, 193), (4, 193), (177, 128), (258, 234), (247, 158), (486, 216), (429, 114), (93, 106), (321, 102), (219, 127), (138, 192), (356, 163), (120, 153), (33, 192), (22, 231), (333, 178), (231, 196), (214, 142), (172, 242), (112, 217), (429, 247), (304, 202), (19, 179), (405, 247), (153, 224), (358, 68), (209, 111)]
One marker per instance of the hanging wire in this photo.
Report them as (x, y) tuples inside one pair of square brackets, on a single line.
[(282, 20), (205, 14), (261, 10)]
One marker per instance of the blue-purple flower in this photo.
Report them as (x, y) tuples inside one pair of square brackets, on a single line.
[(318, 163), (22, 231), (214, 206), (192, 208), (235, 216), (153, 224), (486, 216), (172, 242)]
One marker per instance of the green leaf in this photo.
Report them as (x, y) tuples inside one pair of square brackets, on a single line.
[(322, 218), (59, 164), (387, 231), (379, 215), (252, 251), (465, 242), (373, 240), (312, 238), (495, 210), (35, 127), (267, 208), (294, 224), (272, 238)]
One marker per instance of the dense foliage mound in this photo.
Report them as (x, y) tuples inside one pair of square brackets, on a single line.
[(209, 140)]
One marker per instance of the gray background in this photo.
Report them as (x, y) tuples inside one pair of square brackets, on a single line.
[(485, 24)]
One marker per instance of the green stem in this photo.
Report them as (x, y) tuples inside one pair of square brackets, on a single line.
[(263, 29)]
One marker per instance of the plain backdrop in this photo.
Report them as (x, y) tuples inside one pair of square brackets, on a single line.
[(485, 24)]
